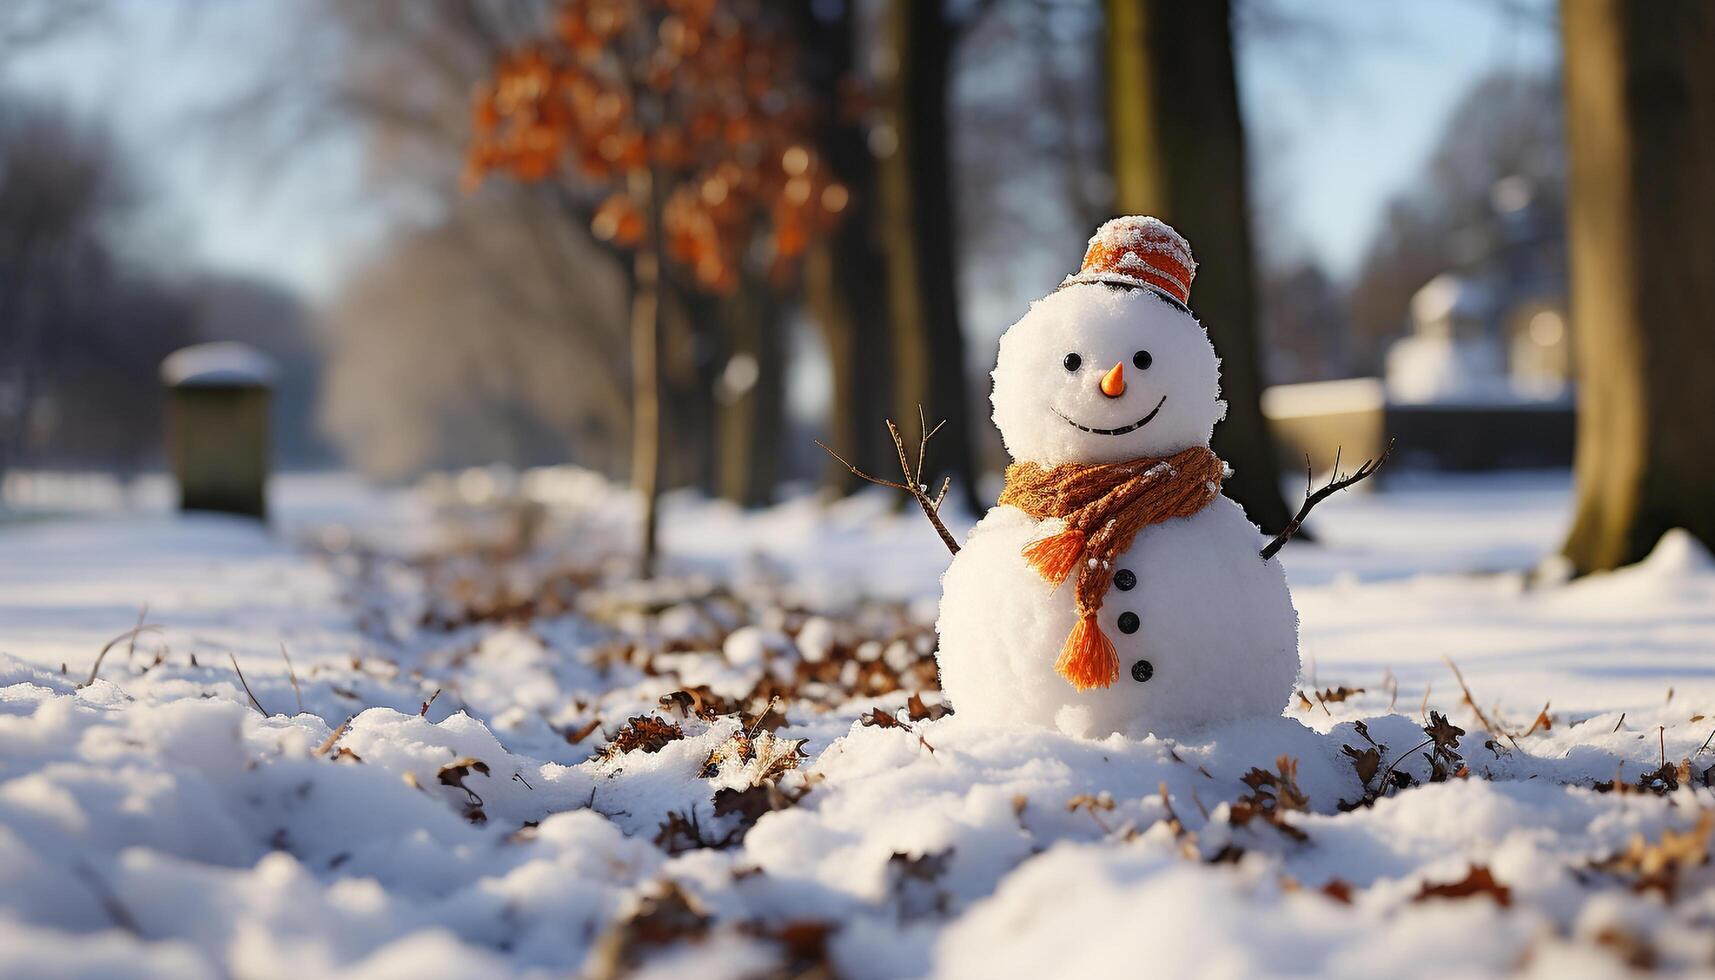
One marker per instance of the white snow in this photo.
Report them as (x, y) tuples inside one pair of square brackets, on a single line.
[(1202, 630), (1312, 398), (1437, 369), (1219, 632), (223, 362), (153, 823), (1035, 394), (1141, 233)]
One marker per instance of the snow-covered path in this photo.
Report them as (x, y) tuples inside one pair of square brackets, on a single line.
[(155, 823)]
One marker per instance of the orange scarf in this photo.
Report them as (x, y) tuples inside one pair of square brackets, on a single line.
[(1104, 505)]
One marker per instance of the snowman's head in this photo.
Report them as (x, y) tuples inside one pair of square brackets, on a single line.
[(1109, 367)]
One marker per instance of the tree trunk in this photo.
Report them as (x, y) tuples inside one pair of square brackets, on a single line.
[(842, 270), (922, 262), (691, 341), (1640, 105), (1177, 145), (825, 300), (753, 420), (646, 371)]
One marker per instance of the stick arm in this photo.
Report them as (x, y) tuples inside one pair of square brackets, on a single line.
[(931, 505), (1312, 496)]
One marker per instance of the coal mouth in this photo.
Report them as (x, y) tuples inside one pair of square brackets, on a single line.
[(1122, 430)]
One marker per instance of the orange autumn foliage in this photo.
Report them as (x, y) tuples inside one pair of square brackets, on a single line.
[(698, 93)]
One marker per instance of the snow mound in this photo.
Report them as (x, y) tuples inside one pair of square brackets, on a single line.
[(524, 823), (1678, 554), (218, 364)]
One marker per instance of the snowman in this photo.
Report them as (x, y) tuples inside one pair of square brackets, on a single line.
[(1113, 588)]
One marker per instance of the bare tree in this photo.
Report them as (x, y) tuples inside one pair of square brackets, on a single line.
[(1178, 149), (431, 365), (916, 198), (842, 270), (64, 193), (517, 260), (82, 330), (1640, 87), (1507, 125), (689, 123)]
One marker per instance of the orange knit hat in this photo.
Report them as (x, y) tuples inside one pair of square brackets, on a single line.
[(1139, 251)]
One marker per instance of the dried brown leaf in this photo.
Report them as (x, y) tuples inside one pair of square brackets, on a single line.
[(876, 718), (1477, 881), (456, 772), (1658, 866), (929, 866), (645, 733), (1367, 762), (698, 701), (762, 758), (1090, 802), (578, 734), (916, 710), (667, 916), (1339, 890), (1272, 796)]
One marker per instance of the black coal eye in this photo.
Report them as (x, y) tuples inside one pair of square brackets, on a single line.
[(1072, 361), (1141, 360)]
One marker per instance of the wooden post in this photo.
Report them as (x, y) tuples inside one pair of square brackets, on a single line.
[(218, 398)]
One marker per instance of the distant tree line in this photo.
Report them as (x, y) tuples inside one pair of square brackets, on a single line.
[(876, 294), (85, 320), (1509, 127)]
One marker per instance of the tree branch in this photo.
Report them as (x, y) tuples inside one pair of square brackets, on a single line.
[(1312, 497), (913, 472)]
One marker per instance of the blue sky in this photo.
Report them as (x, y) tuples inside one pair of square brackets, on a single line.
[(1344, 105), (1344, 111)]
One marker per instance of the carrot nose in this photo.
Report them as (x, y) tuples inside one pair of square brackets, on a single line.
[(1113, 383)]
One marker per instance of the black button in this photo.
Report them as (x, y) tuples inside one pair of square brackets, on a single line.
[(1125, 580), (1128, 622), (1142, 671)]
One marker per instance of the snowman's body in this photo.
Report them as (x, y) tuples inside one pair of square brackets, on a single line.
[(1204, 629), (1214, 637)]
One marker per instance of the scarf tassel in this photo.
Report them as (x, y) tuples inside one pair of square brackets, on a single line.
[(1055, 556), (1088, 659)]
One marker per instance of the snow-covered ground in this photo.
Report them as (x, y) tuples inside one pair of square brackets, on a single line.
[(156, 821)]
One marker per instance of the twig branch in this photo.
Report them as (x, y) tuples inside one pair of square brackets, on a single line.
[(130, 634), (292, 673), (1471, 700), (913, 472), (333, 736), (253, 702), (131, 647), (1381, 784), (1312, 497)]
